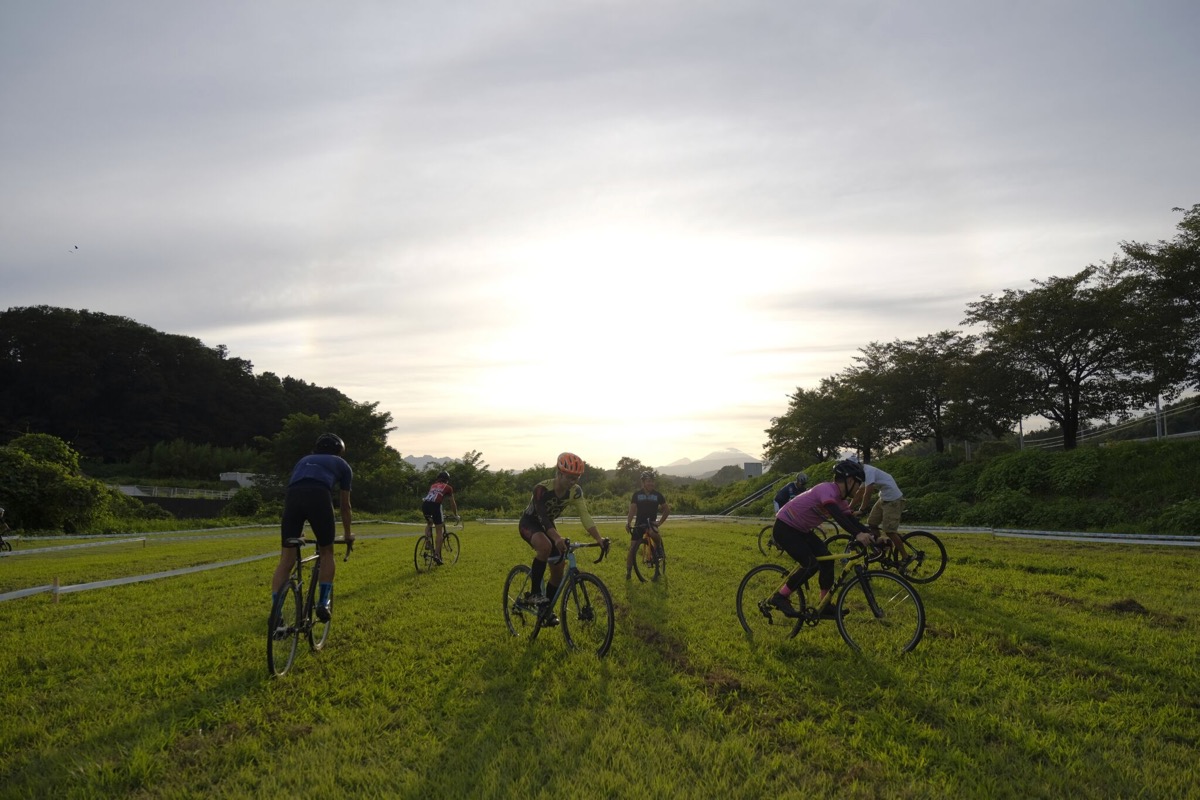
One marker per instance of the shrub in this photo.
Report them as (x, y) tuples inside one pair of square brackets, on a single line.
[(934, 507), (246, 502), (1181, 517), (1027, 471)]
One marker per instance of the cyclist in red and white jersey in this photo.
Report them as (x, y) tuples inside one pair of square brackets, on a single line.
[(431, 507)]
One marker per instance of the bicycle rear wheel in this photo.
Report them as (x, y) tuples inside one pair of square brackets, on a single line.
[(766, 541), (450, 548), (587, 616), (929, 557), (283, 630), (317, 631), (423, 555), (760, 619), (519, 618), (5, 545), (880, 614)]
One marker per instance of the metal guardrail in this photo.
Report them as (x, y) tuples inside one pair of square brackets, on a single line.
[(137, 490)]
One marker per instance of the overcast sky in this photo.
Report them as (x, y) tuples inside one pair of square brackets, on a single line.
[(618, 228)]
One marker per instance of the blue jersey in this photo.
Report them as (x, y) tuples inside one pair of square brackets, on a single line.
[(322, 469)]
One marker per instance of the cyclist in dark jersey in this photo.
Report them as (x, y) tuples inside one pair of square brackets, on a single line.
[(431, 507), (644, 506), (790, 490), (537, 524), (308, 500)]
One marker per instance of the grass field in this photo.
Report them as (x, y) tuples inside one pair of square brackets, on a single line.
[(1048, 669)]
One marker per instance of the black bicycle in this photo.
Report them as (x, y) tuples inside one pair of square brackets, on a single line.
[(423, 556), (766, 538), (922, 560), (585, 605), (291, 617)]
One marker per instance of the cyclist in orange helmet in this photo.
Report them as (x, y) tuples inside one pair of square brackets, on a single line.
[(537, 524)]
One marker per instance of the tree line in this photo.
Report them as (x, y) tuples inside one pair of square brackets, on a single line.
[(1096, 345)]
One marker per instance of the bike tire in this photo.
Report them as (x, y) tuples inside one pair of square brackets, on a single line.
[(587, 616), (6, 546), (649, 567), (880, 614), (766, 541), (758, 619), (450, 548), (520, 620), (317, 631), (283, 631), (423, 555), (931, 557)]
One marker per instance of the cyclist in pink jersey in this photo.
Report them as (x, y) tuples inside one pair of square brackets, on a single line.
[(794, 531)]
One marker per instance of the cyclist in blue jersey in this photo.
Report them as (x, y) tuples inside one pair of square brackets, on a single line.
[(790, 490), (308, 500)]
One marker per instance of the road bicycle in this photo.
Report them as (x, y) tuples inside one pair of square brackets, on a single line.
[(290, 617), (923, 561), (879, 614), (423, 554), (650, 562), (584, 602), (766, 538)]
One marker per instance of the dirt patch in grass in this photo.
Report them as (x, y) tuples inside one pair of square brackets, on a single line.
[(1127, 606), (718, 683)]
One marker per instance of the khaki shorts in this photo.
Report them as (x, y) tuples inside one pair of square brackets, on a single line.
[(886, 515)]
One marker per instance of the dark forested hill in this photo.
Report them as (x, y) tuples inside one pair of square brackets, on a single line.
[(111, 386)]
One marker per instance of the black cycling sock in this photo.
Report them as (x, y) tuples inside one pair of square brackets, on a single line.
[(551, 590), (537, 573)]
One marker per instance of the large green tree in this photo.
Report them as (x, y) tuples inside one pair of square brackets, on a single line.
[(1078, 346)]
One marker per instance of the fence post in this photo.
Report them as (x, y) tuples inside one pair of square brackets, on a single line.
[(54, 588)]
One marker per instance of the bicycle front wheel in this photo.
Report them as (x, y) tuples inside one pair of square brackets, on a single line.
[(5, 545), (450, 548), (647, 564), (928, 554), (880, 614), (587, 616), (758, 617), (519, 618), (283, 630)]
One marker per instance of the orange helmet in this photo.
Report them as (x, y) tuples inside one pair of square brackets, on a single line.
[(570, 463)]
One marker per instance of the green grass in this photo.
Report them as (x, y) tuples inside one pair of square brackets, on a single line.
[(1048, 669)]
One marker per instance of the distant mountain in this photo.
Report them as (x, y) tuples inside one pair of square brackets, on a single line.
[(421, 462), (707, 466)]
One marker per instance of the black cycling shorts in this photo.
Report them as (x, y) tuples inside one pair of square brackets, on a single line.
[(433, 512), (311, 504)]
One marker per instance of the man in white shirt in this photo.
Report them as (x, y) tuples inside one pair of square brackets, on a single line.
[(885, 514)]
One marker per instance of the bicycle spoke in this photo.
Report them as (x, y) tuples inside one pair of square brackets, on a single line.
[(880, 615), (587, 615), (317, 631)]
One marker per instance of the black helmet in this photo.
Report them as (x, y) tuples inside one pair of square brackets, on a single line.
[(849, 469), (801, 478), (330, 444), (443, 476)]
